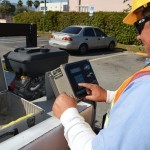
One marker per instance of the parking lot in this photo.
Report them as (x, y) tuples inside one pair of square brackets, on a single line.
[(111, 68)]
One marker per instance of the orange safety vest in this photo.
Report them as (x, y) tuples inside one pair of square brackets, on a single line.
[(120, 90)]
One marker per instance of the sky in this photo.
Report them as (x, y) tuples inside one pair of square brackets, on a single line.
[(16, 1), (24, 1)]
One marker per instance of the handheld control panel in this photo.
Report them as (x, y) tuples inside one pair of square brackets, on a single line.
[(67, 76)]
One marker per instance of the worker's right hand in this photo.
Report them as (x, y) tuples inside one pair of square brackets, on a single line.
[(94, 92), (62, 103)]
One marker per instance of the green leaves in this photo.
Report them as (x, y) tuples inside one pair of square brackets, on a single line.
[(20, 3), (110, 22), (36, 4), (6, 8), (29, 3)]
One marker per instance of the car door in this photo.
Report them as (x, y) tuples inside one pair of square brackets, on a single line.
[(101, 37), (89, 37)]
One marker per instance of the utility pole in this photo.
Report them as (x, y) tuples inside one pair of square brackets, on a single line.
[(44, 15), (44, 6), (79, 5), (68, 6), (60, 4)]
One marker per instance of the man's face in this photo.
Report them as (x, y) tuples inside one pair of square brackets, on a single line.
[(144, 36)]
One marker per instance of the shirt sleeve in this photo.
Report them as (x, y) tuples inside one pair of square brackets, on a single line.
[(128, 120), (78, 133), (110, 96)]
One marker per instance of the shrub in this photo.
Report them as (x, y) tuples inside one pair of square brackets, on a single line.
[(109, 22)]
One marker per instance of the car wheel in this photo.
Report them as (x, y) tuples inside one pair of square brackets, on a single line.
[(111, 46), (83, 49)]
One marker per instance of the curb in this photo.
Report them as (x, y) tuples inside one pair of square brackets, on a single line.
[(142, 54)]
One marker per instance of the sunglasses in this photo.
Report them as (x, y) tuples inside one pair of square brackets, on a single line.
[(139, 25)]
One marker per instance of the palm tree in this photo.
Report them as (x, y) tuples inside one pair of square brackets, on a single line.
[(29, 3), (36, 4), (128, 9), (5, 2), (20, 3), (6, 8)]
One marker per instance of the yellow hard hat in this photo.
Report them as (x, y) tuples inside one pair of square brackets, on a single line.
[(132, 17)]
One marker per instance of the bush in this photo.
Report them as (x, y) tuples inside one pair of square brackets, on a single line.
[(109, 22)]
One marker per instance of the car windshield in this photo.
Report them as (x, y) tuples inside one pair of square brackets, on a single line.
[(72, 30)]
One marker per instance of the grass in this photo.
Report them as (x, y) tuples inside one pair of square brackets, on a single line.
[(132, 48), (43, 34)]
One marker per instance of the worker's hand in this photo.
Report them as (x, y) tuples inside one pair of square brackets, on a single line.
[(94, 92), (62, 103)]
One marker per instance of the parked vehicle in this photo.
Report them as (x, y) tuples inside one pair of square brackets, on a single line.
[(82, 38)]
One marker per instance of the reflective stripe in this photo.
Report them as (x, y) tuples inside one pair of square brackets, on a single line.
[(108, 112), (144, 71), (129, 80)]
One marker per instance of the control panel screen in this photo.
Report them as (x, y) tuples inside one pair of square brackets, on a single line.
[(79, 78), (80, 72), (75, 70)]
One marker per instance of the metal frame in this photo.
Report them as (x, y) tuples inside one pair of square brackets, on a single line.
[(18, 29)]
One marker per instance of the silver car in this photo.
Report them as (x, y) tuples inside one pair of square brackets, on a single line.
[(81, 38)]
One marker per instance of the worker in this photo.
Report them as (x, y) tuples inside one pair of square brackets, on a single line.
[(127, 126)]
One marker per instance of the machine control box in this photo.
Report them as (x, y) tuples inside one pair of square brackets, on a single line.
[(66, 78)]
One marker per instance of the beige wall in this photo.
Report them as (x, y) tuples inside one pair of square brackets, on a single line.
[(100, 5), (53, 6), (3, 20), (8, 20), (73, 5)]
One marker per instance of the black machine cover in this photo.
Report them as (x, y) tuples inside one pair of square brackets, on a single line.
[(34, 61)]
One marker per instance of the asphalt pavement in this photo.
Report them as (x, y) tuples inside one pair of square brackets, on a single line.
[(10, 43)]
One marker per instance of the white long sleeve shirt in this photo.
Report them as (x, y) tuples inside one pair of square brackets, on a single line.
[(76, 128), (129, 122), (110, 96), (128, 127)]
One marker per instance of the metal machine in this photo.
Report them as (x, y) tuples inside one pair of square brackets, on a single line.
[(41, 136), (69, 75), (29, 65)]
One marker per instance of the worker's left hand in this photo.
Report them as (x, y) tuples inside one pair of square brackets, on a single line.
[(62, 103)]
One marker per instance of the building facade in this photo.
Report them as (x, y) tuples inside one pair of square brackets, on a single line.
[(59, 6), (85, 5), (99, 5)]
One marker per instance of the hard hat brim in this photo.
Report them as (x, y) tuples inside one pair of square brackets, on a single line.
[(131, 18)]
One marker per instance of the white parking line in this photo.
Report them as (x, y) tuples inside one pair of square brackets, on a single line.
[(3, 42), (19, 41), (107, 57)]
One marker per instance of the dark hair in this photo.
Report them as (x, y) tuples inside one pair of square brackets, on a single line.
[(146, 11)]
